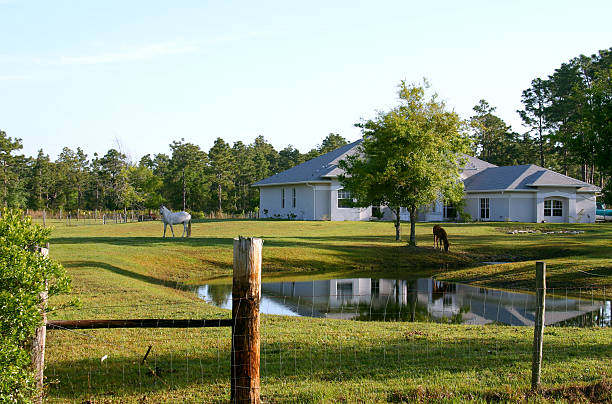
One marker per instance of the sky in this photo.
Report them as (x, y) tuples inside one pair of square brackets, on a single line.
[(140, 74)]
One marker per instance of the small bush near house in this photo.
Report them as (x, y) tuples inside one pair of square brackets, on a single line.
[(23, 273)]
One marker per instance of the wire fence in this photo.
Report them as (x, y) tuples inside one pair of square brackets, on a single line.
[(82, 217), (326, 345)]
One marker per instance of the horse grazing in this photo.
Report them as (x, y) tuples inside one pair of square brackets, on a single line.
[(440, 237), (170, 218)]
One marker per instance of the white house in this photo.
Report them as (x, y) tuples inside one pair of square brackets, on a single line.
[(524, 193)]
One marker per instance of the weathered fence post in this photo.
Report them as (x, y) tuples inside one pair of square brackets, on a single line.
[(538, 329), (246, 295), (38, 341)]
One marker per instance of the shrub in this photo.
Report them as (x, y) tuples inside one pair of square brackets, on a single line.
[(24, 274)]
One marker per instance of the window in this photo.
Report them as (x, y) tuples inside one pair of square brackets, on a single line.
[(344, 289), (484, 208), (557, 208), (375, 287), (553, 207), (283, 198), (450, 212), (294, 197), (345, 199)]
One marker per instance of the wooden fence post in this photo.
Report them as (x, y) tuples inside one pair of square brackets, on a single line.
[(246, 295), (39, 340), (538, 329)]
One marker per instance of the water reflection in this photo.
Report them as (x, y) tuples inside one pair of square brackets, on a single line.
[(424, 299)]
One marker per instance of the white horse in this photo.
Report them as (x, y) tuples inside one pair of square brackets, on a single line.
[(170, 218)]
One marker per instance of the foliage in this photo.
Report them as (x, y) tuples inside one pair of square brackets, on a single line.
[(11, 176), (409, 156), (24, 274), (493, 140)]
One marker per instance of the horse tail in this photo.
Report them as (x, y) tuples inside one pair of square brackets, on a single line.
[(189, 228)]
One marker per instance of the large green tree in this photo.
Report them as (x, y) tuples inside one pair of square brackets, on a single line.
[(493, 140), (535, 100), (186, 175), (12, 175), (222, 166), (409, 157)]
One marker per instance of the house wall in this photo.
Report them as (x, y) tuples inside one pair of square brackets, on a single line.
[(341, 214), (503, 206), (585, 207), (270, 204)]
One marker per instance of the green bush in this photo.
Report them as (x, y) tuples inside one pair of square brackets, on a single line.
[(24, 274)]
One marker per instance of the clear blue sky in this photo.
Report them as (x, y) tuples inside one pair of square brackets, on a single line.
[(84, 73)]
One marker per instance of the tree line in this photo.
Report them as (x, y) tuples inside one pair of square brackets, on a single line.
[(187, 178), (567, 119)]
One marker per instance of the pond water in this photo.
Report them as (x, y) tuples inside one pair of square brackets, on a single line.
[(423, 299)]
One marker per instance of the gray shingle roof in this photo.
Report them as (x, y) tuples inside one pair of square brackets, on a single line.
[(523, 177), (481, 176), (315, 170), (474, 165)]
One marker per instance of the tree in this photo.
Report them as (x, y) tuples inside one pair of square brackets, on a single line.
[(244, 176), (331, 143), (41, 181), (409, 157), (493, 139), (222, 168), (186, 173), (536, 99), (11, 183), (24, 274), (288, 157)]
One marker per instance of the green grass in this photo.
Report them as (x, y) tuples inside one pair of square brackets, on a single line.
[(129, 271)]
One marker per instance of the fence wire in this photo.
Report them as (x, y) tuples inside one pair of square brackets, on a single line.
[(384, 341)]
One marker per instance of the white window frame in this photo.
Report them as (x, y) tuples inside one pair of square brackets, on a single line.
[(485, 208), (557, 208), (554, 208), (343, 195)]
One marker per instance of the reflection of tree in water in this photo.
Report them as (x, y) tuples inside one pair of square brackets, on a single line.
[(412, 311), (595, 318), (219, 294)]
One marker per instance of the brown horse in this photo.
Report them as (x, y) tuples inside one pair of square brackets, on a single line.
[(440, 237)]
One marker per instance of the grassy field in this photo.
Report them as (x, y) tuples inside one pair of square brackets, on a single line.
[(129, 271)]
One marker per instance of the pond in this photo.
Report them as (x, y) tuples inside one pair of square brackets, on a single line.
[(424, 299)]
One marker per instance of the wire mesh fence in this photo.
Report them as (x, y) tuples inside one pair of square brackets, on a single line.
[(381, 344)]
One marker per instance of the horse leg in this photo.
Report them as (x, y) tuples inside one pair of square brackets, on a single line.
[(165, 230), (184, 229), (172, 229)]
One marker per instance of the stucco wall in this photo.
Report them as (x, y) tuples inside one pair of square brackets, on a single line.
[(340, 214), (506, 206), (585, 207), (270, 204)]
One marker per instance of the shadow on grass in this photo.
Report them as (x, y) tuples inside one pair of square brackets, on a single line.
[(130, 274)]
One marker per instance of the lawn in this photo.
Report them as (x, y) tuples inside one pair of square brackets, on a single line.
[(129, 271)]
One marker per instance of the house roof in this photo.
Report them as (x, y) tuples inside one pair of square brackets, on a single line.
[(478, 174), (522, 177), (474, 165), (319, 169)]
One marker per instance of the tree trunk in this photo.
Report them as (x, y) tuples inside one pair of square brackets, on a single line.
[(184, 193), (412, 226), (397, 224), (220, 209)]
